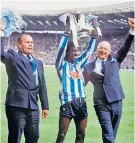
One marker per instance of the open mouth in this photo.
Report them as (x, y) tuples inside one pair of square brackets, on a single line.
[(75, 56), (102, 53), (30, 48)]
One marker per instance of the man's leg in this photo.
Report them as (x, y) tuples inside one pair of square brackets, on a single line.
[(16, 121), (31, 130), (63, 127), (105, 121), (80, 130), (79, 108), (116, 116)]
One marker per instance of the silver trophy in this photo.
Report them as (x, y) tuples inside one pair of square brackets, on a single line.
[(81, 27)]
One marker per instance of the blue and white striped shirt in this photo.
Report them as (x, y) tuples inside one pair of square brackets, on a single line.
[(70, 75)]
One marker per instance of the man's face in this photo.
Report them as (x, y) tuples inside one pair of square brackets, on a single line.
[(26, 44), (103, 50), (72, 54)]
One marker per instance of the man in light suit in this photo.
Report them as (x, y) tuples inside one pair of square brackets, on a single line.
[(25, 82), (108, 93)]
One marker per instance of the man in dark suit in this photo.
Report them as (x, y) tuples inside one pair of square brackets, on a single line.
[(108, 93), (25, 82)]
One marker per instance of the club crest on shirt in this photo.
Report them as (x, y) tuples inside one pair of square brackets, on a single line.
[(75, 74)]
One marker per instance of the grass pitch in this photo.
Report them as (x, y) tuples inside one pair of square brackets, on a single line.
[(49, 126)]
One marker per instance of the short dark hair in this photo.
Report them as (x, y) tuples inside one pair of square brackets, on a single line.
[(70, 45), (19, 38)]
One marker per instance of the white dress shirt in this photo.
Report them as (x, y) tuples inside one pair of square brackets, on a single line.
[(132, 31), (98, 67)]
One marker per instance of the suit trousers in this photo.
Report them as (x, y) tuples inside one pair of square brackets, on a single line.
[(22, 119), (109, 118)]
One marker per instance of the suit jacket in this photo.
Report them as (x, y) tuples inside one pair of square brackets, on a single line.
[(22, 90), (111, 84)]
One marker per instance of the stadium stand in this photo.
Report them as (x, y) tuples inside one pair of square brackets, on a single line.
[(46, 31)]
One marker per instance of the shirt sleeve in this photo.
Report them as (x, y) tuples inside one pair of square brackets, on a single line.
[(83, 58), (132, 32), (61, 52), (6, 56)]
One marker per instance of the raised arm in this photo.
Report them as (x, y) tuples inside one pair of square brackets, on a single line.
[(61, 52), (2, 38), (122, 52), (5, 56), (62, 47), (2, 44)]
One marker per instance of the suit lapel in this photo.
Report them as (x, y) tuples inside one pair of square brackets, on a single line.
[(92, 65), (108, 68), (27, 67)]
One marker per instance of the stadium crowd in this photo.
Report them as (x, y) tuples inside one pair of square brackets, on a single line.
[(46, 47)]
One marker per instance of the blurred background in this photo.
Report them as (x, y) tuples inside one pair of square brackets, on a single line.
[(45, 27)]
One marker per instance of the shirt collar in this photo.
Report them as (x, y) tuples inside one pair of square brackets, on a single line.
[(100, 60), (26, 55)]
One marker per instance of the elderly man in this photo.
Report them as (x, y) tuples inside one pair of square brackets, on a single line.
[(25, 82), (108, 93)]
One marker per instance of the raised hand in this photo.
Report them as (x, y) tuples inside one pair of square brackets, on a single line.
[(131, 22), (1, 29)]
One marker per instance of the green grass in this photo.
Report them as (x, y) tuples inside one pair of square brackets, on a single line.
[(49, 126)]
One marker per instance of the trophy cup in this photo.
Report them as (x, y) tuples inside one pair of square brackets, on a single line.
[(81, 27), (12, 22)]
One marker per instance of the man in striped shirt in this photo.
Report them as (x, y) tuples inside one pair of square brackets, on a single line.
[(69, 67)]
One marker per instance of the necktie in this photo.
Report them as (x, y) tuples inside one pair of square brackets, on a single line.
[(102, 64), (34, 66)]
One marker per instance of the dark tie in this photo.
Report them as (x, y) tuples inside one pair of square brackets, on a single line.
[(103, 65), (33, 65)]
